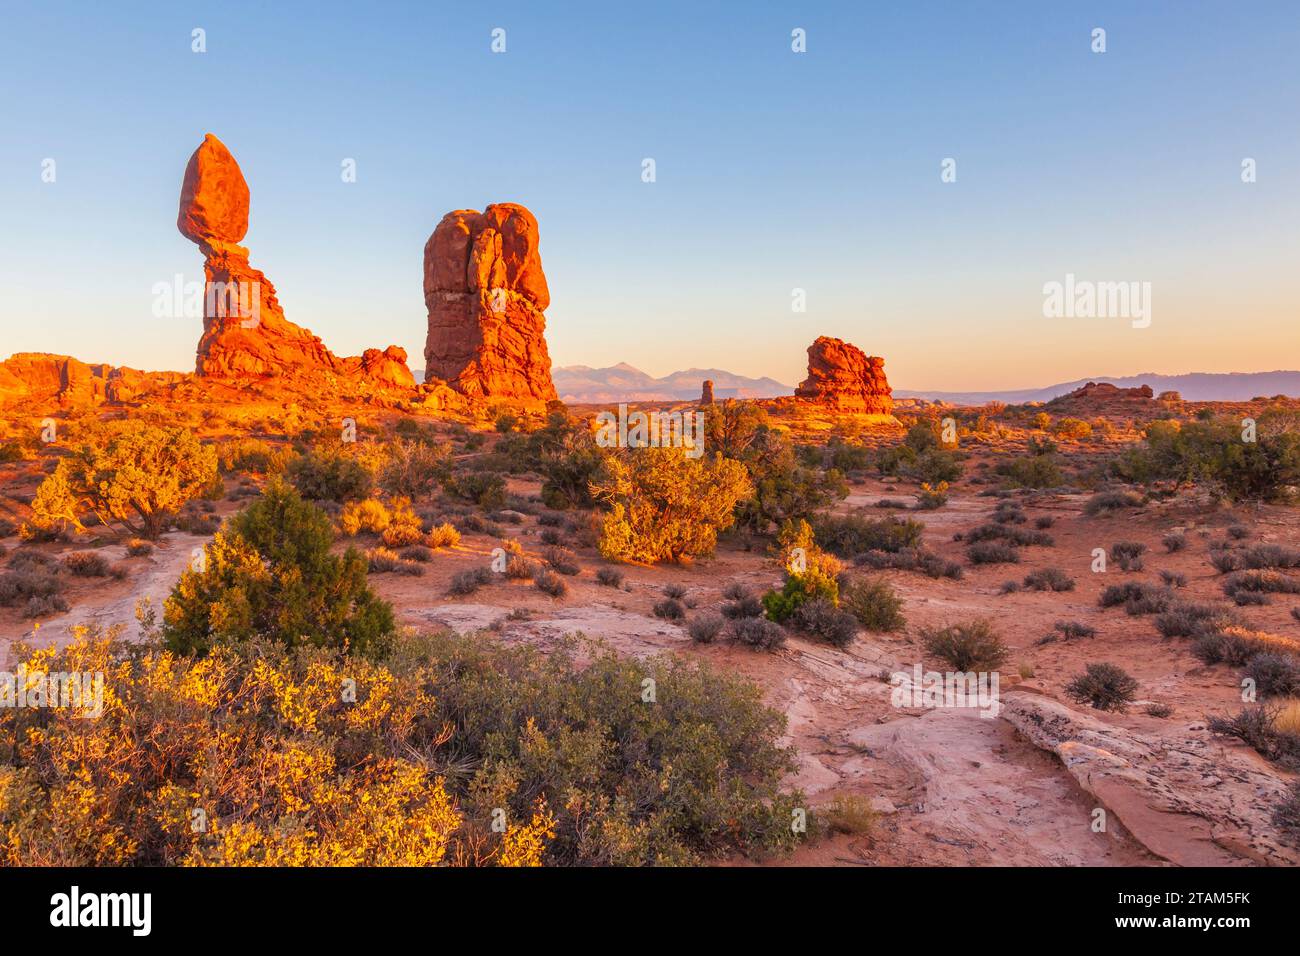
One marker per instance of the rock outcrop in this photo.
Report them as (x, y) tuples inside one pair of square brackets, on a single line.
[(486, 294), (706, 392), (42, 377), (843, 377), (245, 333), (1185, 797)]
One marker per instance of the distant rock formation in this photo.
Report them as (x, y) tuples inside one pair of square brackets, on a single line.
[(486, 294), (245, 333), (42, 377), (843, 377), (706, 392)]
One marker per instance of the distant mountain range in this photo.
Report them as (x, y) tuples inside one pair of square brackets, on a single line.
[(581, 384)]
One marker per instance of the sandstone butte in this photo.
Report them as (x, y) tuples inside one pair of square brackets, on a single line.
[(842, 377), (486, 293)]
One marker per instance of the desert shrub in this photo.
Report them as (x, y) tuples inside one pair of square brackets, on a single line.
[(1259, 557), (821, 619), (1019, 537), (705, 628), (368, 515), (1032, 471), (849, 813), (1049, 579), (874, 603), (665, 506), (849, 535), (251, 456), (1009, 512), (133, 474), (1190, 619), (386, 560), (548, 582), (1212, 452), (1043, 522), (1275, 675), (1173, 579), (518, 565), (1104, 687), (561, 560), (328, 474), (270, 573), (1252, 587), (415, 469), (404, 526), (289, 775), (609, 577), (565, 454), (1287, 813), (1174, 541), (86, 564), (1255, 727), (670, 609), (1104, 502), (1010, 587), (757, 632), (674, 591), (443, 535), (1072, 429), (1128, 554), (967, 647), (1071, 630), (931, 497), (892, 503), (912, 559), (741, 603), (467, 582), (44, 605), (27, 579), (416, 552), (1137, 597), (1235, 645), (993, 552), (485, 488), (138, 548)]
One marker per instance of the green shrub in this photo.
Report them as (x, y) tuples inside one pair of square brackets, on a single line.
[(329, 475), (270, 573), (874, 603), (850, 535)]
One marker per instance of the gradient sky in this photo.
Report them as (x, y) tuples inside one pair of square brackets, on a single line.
[(775, 171)]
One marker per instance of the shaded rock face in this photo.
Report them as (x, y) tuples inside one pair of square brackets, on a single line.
[(486, 294), (706, 392), (245, 333), (842, 376)]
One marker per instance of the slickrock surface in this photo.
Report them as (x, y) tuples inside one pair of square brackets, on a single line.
[(842, 376), (486, 294), (1189, 799)]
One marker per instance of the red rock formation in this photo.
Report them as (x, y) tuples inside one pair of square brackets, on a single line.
[(41, 377), (842, 376), (706, 392), (245, 333), (486, 293)]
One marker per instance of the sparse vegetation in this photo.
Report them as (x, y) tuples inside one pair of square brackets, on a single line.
[(969, 647), (1104, 687)]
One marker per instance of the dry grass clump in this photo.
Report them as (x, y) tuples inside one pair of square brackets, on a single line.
[(851, 814), (385, 560), (444, 535)]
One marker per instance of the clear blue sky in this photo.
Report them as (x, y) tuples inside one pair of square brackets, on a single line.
[(776, 170)]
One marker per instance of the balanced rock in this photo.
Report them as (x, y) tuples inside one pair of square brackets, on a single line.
[(486, 293), (843, 377), (245, 333)]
